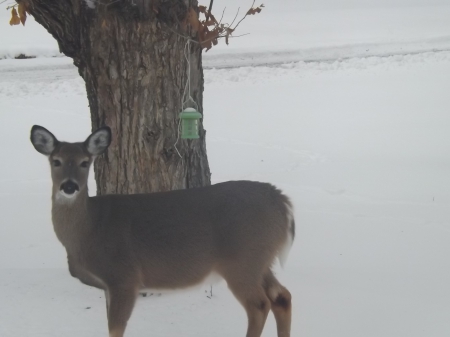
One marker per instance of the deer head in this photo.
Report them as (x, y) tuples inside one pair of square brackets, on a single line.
[(69, 162)]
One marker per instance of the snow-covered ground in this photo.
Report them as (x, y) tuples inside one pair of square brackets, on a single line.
[(361, 144)]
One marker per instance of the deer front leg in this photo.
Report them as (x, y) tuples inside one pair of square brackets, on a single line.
[(82, 275), (120, 302)]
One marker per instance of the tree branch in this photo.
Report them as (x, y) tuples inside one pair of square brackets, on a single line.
[(59, 18), (244, 16), (237, 13), (209, 10)]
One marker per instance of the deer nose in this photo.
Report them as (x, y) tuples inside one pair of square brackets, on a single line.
[(69, 187)]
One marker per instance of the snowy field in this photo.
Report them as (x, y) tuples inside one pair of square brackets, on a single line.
[(360, 141)]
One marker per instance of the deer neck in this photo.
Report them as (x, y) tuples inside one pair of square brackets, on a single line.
[(70, 218)]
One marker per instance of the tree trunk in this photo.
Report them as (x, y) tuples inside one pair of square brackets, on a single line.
[(131, 55)]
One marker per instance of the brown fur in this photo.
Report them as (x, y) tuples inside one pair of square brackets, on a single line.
[(124, 243)]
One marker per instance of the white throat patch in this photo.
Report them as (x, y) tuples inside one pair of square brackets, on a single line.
[(63, 197)]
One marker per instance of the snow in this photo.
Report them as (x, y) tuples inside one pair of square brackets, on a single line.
[(296, 28), (31, 39), (359, 141), (90, 3)]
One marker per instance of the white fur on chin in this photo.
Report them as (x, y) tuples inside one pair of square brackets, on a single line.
[(63, 197)]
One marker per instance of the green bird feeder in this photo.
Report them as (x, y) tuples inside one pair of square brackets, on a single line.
[(189, 123)]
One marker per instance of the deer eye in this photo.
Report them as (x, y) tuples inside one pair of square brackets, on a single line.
[(56, 163), (84, 164)]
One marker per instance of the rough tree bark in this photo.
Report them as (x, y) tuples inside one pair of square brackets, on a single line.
[(132, 61)]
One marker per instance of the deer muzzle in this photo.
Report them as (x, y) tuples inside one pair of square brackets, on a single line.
[(69, 187)]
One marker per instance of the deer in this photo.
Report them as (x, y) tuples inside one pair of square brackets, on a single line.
[(124, 244)]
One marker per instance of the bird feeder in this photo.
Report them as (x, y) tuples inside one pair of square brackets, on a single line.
[(189, 123)]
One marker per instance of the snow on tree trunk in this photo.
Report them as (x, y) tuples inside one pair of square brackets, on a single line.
[(132, 60)]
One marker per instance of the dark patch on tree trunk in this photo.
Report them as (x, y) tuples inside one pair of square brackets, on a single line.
[(135, 71)]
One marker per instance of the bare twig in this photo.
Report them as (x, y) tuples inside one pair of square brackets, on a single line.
[(209, 10), (210, 293), (244, 16), (207, 38), (234, 36), (221, 36), (221, 18), (236, 16)]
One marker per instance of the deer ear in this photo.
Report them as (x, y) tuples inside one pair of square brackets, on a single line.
[(98, 142), (43, 140)]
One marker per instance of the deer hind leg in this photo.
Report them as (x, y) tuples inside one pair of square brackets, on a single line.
[(255, 302), (119, 303), (280, 299)]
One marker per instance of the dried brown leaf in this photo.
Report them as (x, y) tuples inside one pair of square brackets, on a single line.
[(201, 33), (209, 30), (213, 34), (209, 38), (253, 11), (22, 10), (193, 20), (206, 43), (15, 20), (229, 31), (211, 17)]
